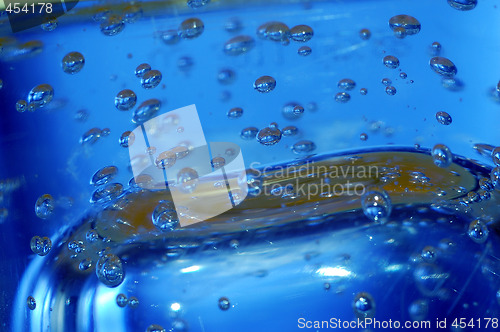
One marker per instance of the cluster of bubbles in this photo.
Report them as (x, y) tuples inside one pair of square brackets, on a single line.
[(122, 301), (38, 97), (112, 24), (150, 78)]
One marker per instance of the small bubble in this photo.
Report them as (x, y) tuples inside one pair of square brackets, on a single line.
[(346, 84), (386, 81), (73, 62), (363, 91), (418, 310), (292, 111), (191, 28), (127, 139), (495, 178), (132, 13), (121, 300), (391, 62), (363, 137), (185, 63), (443, 118), (226, 76), (304, 50), (170, 37), (41, 95), (303, 147), (156, 327), (21, 105), (463, 5), (399, 32), (92, 236), (443, 66), (363, 305), (90, 136), (376, 205), (409, 24), (112, 25), (235, 113), (441, 155), (275, 31), (44, 206), (478, 231), (151, 79), (109, 270), (390, 90), (233, 25), (239, 45), (81, 116), (365, 34), (301, 33), (107, 193), (452, 84), (249, 133), (403, 75), (224, 303), (290, 131), (142, 69), (133, 302), (429, 254), (125, 100), (30, 301), (164, 216), (342, 97), (495, 156), (146, 110), (264, 84), (435, 48), (104, 175), (166, 159), (40, 245), (269, 136), (85, 264), (50, 24), (187, 180), (218, 162)]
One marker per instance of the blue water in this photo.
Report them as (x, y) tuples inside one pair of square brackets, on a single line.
[(276, 275)]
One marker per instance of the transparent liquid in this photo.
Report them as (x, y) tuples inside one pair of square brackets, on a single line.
[(285, 254)]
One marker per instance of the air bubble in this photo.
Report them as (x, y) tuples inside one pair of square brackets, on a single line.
[(44, 206), (463, 5), (342, 97), (41, 95), (50, 24), (363, 91), (376, 205), (73, 62), (191, 28), (391, 62), (290, 131), (443, 66), (346, 84), (151, 79), (292, 111), (275, 31), (239, 45), (125, 100), (410, 24), (112, 25), (390, 90), (109, 270), (146, 110), (156, 327), (365, 34), (104, 175), (269, 136), (90, 136), (164, 216), (249, 133), (443, 118), (30, 301), (21, 105), (478, 231), (224, 303), (132, 13), (142, 69), (40, 245), (304, 51), (301, 33), (386, 81), (107, 193), (121, 300), (418, 310), (127, 139), (170, 37), (226, 76), (235, 113), (264, 84), (303, 146), (441, 155), (363, 305)]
